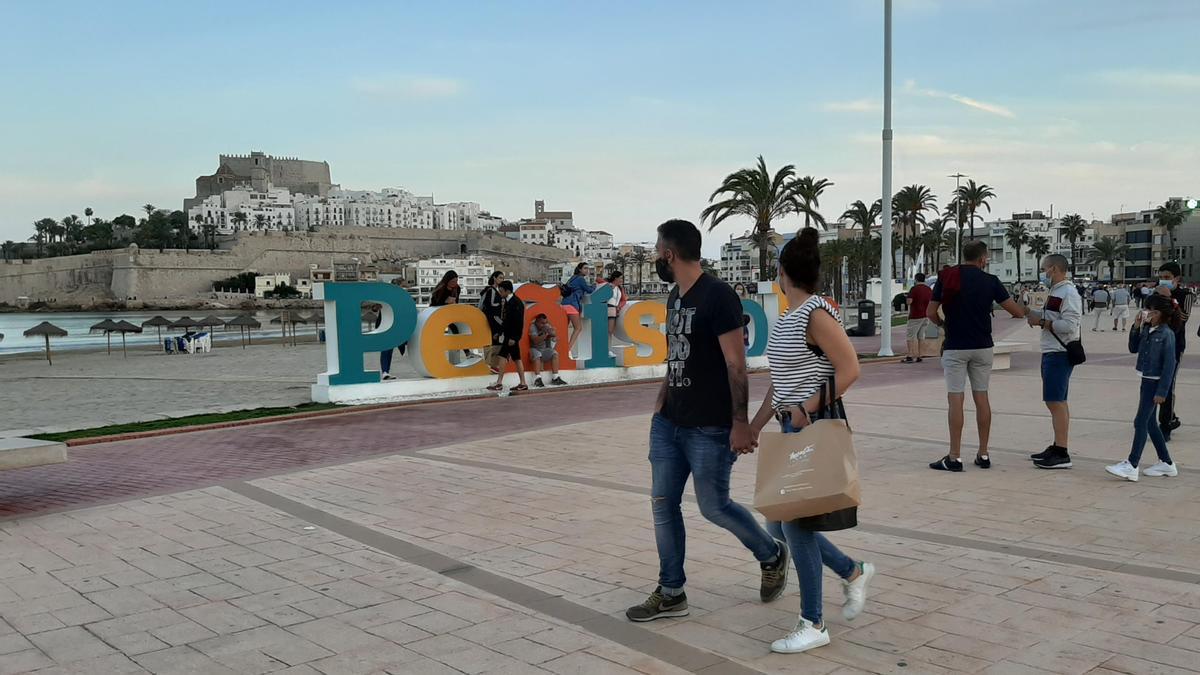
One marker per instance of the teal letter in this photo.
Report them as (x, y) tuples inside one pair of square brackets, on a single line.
[(595, 313), (758, 319), (345, 342)]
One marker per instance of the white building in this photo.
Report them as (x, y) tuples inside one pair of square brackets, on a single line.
[(243, 209), (473, 272), (739, 261), (535, 233), (1002, 258)]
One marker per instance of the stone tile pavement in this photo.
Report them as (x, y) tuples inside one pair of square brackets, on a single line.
[(516, 550)]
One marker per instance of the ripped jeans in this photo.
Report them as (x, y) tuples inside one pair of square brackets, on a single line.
[(704, 454)]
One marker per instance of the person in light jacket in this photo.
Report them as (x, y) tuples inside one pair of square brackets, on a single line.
[(1059, 320)]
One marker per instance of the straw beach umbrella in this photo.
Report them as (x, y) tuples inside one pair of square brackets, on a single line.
[(245, 324), (47, 330), (157, 322), (287, 319), (124, 327), (210, 321), (108, 326), (183, 322)]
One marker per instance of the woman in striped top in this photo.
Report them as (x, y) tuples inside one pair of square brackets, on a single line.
[(805, 348)]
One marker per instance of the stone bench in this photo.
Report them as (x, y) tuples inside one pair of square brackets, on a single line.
[(931, 347), (20, 453)]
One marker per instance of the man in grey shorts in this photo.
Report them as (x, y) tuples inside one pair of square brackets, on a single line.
[(965, 295), (543, 350)]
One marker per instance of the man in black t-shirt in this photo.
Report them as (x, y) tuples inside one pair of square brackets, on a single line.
[(1170, 284), (701, 423), (965, 295)]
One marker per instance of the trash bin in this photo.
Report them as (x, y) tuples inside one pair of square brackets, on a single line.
[(866, 319), (321, 335)]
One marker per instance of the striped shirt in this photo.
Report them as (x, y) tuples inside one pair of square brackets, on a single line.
[(797, 372)]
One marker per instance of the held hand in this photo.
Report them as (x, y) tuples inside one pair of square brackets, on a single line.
[(1159, 400), (741, 438), (1034, 322), (1163, 291)]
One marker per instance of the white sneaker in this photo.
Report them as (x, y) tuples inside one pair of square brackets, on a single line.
[(1123, 470), (1162, 469), (856, 592), (804, 638)]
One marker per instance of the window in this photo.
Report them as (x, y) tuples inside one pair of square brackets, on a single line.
[(1138, 237), (1138, 254)]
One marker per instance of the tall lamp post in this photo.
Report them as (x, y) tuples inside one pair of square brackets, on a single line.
[(885, 265), (958, 221)]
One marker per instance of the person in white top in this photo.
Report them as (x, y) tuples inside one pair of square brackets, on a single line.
[(1120, 307), (1059, 320), (804, 349)]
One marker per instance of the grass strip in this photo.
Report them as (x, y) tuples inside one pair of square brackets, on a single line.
[(188, 421)]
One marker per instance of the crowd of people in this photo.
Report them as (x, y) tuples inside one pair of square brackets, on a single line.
[(962, 302)]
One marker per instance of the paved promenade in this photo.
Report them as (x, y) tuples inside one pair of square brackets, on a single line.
[(509, 535)]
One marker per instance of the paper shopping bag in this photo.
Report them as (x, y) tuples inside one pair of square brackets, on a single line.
[(809, 473)]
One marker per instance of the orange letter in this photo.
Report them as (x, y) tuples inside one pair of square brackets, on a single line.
[(432, 348)]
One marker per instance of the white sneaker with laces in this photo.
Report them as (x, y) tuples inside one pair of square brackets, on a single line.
[(1124, 470), (856, 592), (804, 638), (1161, 469)]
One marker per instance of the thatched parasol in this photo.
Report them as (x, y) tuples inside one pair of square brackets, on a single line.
[(287, 319), (124, 327), (245, 324), (46, 330), (183, 322), (108, 326), (210, 321), (157, 322)]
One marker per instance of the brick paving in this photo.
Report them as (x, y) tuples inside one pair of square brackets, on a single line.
[(512, 543)]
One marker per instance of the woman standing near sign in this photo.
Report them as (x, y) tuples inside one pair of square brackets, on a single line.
[(572, 302), (446, 293), (807, 347)]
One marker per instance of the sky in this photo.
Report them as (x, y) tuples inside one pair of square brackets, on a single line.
[(628, 113)]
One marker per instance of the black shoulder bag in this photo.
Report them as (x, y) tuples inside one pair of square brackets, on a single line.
[(1075, 353)]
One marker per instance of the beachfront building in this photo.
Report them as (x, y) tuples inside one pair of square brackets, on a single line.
[(267, 283), (1002, 258), (1150, 245), (473, 272)]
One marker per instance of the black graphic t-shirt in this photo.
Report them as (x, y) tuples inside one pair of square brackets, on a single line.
[(697, 378)]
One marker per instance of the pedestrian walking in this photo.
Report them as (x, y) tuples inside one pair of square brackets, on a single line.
[(965, 294), (1100, 298), (1120, 307), (1059, 321), (512, 316), (700, 425), (576, 288), (1153, 340), (805, 348)]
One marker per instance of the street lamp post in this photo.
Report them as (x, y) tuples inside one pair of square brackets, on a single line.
[(958, 176), (885, 265)]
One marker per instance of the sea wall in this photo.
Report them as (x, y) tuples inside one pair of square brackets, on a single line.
[(135, 274)]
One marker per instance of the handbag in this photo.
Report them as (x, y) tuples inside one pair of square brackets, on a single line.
[(811, 475), (1075, 353)]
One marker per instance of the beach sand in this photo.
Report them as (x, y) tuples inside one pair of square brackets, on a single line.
[(89, 388)]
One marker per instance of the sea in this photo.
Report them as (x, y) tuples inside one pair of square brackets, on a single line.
[(79, 335)]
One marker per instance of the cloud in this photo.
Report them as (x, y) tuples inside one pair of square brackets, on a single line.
[(910, 86), (407, 88), (858, 105), (1154, 79)]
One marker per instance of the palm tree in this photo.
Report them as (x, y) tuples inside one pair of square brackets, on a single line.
[(1073, 229), (618, 262), (200, 226), (210, 234), (639, 258), (973, 197), (910, 203), (260, 221), (1039, 246), (765, 243), (1170, 216), (863, 216), (149, 209), (88, 213), (809, 190), (72, 229), (1017, 236), (1108, 250), (239, 219), (935, 240), (43, 230), (953, 212), (754, 193)]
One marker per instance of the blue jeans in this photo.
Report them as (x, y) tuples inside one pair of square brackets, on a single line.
[(809, 551), (704, 454), (1144, 425)]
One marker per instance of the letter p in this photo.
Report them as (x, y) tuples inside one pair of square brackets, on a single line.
[(345, 341)]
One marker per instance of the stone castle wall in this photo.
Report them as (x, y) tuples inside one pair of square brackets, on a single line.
[(146, 275)]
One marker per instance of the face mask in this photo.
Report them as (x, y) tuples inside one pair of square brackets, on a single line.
[(1167, 283), (1044, 278), (664, 271)]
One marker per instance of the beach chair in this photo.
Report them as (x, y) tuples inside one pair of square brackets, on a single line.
[(181, 345), (169, 345)]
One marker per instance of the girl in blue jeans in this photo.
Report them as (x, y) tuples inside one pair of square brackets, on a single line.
[(1153, 340)]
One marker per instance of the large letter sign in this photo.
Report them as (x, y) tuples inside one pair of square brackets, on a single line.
[(346, 343), (443, 341)]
